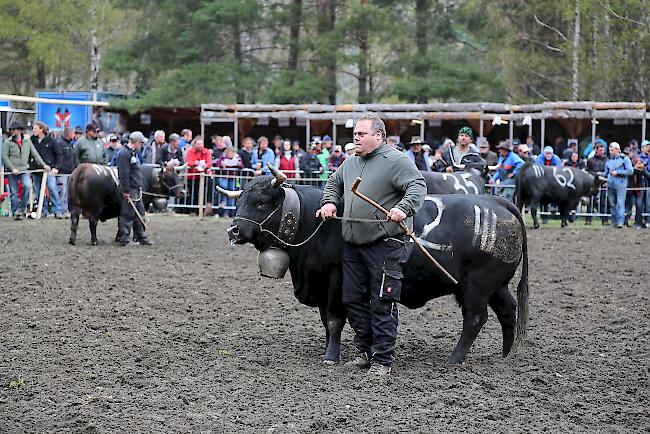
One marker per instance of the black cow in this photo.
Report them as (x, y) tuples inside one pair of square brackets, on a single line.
[(469, 181), (480, 240), (93, 192), (564, 186)]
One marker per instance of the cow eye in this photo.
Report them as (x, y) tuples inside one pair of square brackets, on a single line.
[(261, 204)]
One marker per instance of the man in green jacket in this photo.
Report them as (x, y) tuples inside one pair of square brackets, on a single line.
[(89, 149), (372, 272), (15, 156)]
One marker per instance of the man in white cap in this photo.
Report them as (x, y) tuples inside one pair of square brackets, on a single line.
[(128, 172), (617, 169), (548, 158)]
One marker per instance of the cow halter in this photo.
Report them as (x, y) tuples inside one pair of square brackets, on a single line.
[(289, 222)]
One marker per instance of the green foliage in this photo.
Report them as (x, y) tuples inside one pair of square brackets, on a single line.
[(183, 53)]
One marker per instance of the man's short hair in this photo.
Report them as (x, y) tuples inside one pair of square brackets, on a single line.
[(173, 137), (377, 123), (159, 133), (262, 138), (185, 131)]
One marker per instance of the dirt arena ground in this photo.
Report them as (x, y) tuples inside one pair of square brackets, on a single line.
[(185, 336)]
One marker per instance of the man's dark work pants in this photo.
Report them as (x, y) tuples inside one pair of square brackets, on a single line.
[(372, 284), (128, 219)]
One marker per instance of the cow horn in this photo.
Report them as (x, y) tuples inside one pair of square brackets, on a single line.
[(179, 168), (230, 193), (280, 177)]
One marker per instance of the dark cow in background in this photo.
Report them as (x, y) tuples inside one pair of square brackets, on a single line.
[(564, 186), (480, 240), (94, 193), (468, 181)]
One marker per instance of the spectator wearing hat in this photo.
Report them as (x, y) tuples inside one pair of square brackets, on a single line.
[(617, 168), (264, 156), (508, 166), (89, 149), (114, 145), (451, 157), (170, 154), (16, 151), (548, 158), (287, 161), (350, 149), (417, 155), (50, 151), (78, 134), (132, 208), (488, 155), (337, 157), (327, 145), (323, 156), (524, 153)]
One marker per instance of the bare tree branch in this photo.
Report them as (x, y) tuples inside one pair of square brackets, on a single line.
[(560, 34), (538, 92), (546, 45), (620, 17), (551, 79)]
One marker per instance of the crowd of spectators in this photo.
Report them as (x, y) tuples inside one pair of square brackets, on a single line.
[(626, 170)]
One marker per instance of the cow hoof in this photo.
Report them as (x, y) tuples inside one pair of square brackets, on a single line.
[(93, 243), (72, 242), (455, 359), (330, 362), (535, 226)]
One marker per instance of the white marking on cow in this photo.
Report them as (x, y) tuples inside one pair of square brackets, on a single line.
[(465, 177), (492, 234), (539, 171), (431, 226), (477, 224), (441, 206), (562, 179), (488, 229)]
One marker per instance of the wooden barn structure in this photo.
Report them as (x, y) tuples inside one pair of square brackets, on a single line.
[(572, 120)]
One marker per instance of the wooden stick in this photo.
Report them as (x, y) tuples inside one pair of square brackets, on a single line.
[(41, 195), (406, 230), (137, 213)]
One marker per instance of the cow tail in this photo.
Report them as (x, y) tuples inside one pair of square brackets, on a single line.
[(522, 290)]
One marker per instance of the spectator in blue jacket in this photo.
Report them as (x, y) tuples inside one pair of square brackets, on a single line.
[(508, 167), (548, 158), (264, 155), (617, 169)]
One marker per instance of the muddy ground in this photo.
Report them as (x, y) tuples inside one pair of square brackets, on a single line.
[(185, 336)]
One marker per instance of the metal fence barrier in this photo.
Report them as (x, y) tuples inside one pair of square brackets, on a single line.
[(202, 197)]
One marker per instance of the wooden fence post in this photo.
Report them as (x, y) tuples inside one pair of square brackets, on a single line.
[(41, 195), (201, 193)]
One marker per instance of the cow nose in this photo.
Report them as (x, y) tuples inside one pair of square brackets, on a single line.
[(233, 231)]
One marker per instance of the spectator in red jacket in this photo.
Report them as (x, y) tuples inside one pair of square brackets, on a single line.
[(198, 160)]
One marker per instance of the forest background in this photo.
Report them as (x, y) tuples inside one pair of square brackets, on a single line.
[(184, 53)]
